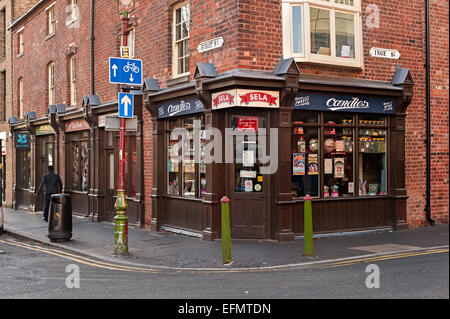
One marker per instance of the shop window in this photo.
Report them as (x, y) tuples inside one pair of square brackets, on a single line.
[(79, 151), (372, 156), (23, 168), (247, 165), (326, 160), (323, 31), (185, 177)]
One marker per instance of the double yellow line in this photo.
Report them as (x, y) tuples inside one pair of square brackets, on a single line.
[(385, 257), (80, 259)]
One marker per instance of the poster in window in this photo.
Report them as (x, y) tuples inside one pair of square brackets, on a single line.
[(298, 164), (248, 185), (328, 166), (313, 167), (339, 167), (248, 158), (247, 124)]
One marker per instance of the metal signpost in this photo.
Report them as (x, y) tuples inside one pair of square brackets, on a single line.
[(123, 71)]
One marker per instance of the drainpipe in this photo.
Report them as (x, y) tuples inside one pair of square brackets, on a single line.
[(92, 47), (428, 115)]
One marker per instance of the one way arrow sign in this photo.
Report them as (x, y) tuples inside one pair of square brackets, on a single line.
[(126, 104)]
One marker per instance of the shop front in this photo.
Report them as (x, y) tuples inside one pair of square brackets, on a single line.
[(267, 140)]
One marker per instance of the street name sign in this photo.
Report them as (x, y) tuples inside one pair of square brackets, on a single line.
[(126, 105), (125, 71), (385, 53)]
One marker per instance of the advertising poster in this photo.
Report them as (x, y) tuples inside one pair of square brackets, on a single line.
[(298, 163), (328, 166), (339, 167), (313, 167)]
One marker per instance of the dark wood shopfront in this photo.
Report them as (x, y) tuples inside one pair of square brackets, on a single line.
[(352, 165), (45, 156)]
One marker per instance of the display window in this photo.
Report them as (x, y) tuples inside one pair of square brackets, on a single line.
[(23, 168), (326, 161), (79, 161), (185, 177)]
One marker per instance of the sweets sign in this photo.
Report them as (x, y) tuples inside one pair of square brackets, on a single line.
[(250, 98)]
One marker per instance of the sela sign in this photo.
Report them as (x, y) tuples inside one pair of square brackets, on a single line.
[(321, 102), (183, 107), (240, 97), (384, 53)]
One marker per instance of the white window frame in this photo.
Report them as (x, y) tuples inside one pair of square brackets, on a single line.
[(74, 10), (73, 80), (51, 83), (21, 105), (51, 19), (175, 71), (306, 55), (20, 40)]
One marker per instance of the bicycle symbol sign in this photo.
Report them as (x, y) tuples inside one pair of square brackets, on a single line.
[(125, 71)]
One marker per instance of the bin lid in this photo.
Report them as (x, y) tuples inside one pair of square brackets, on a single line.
[(62, 195)]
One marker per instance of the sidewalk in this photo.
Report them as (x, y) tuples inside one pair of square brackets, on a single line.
[(163, 249)]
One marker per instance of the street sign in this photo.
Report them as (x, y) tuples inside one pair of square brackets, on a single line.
[(126, 104), (112, 123), (125, 71)]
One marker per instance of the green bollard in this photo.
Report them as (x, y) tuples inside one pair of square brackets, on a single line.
[(308, 223), (226, 231)]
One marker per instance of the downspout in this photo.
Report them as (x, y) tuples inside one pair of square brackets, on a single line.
[(428, 115), (92, 48)]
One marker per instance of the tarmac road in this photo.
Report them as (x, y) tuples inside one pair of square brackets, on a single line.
[(32, 270)]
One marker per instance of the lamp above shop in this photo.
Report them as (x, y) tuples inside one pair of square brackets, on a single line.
[(125, 4), (61, 108), (12, 120), (52, 109)]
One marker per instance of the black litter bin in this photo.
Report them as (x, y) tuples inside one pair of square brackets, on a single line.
[(60, 218)]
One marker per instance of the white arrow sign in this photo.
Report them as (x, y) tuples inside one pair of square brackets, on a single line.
[(114, 67), (125, 101), (131, 77)]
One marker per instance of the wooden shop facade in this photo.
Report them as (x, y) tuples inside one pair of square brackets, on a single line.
[(341, 141)]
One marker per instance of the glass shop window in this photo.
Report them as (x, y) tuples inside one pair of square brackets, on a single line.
[(247, 165), (187, 177), (339, 158), (79, 150), (372, 155), (305, 159)]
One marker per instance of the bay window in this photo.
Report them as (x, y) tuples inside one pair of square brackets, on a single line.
[(323, 31)]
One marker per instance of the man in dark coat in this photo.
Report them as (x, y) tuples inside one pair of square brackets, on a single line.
[(53, 185)]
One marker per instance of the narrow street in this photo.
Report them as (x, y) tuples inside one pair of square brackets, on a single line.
[(31, 270)]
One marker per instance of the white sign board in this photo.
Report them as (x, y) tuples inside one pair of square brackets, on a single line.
[(112, 123), (384, 53), (210, 45)]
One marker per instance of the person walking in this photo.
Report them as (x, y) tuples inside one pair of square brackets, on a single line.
[(53, 185)]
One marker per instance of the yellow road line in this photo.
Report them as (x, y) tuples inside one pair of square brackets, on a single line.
[(385, 257), (79, 259)]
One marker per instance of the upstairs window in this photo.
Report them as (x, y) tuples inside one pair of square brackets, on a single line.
[(51, 84), (21, 109), (51, 24), (20, 45), (73, 80), (323, 31), (181, 35)]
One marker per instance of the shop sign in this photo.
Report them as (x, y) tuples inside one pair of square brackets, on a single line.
[(178, 108), (77, 125), (247, 124), (44, 130), (250, 98), (210, 45), (384, 53), (22, 140), (324, 102)]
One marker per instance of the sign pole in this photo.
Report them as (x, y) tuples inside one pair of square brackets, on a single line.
[(121, 219)]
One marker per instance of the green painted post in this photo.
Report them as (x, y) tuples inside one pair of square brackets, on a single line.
[(121, 224), (226, 231), (308, 223)]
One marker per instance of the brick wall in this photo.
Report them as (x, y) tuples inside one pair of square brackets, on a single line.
[(22, 6)]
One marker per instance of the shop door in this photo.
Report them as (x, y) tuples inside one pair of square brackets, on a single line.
[(248, 187), (46, 148), (110, 184)]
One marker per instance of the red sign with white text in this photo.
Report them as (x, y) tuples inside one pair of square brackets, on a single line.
[(246, 124)]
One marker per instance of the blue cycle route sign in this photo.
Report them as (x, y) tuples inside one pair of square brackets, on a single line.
[(125, 71)]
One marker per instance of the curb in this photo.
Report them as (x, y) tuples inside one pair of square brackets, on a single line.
[(225, 269)]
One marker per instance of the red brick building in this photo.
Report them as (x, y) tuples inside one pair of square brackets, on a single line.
[(64, 60)]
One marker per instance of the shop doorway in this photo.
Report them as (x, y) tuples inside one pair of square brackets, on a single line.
[(248, 188), (111, 168), (45, 148)]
